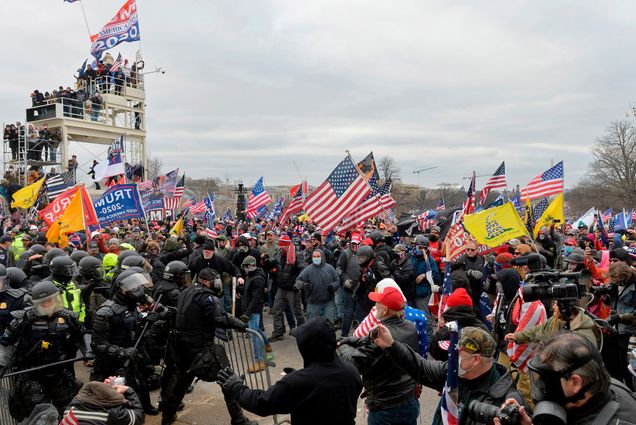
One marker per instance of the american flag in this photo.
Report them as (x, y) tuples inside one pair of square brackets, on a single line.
[(276, 210), (69, 418), (426, 219), (145, 185), (258, 198), (211, 233), (469, 202), (448, 402), (633, 214), (59, 183), (189, 203), (606, 215), (180, 187), (440, 206), (296, 203), (539, 209), (497, 181), (197, 208), (531, 314), (117, 64), (337, 196), (548, 183), (171, 203), (601, 227), (378, 201), (261, 212)]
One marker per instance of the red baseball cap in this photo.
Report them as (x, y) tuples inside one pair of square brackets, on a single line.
[(390, 297), (355, 238)]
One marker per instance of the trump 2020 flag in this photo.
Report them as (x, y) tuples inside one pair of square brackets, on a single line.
[(123, 27), (121, 202), (114, 165)]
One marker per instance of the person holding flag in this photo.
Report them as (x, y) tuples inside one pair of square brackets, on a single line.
[(480, 378)]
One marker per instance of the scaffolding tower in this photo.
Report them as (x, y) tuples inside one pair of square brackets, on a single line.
[(43, 140)]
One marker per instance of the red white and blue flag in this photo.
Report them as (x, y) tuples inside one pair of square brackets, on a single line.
[(548, 183), (469, 203), (528, 314), (258, 198), (426, 219), (198, 208), (123, 27), (296, 203), (448, 402), (69, 418), (441, 205), (338, 196), (497, 181), (378, 201), (607, 215)]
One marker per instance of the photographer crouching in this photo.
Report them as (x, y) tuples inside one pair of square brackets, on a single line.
[(570, 385)]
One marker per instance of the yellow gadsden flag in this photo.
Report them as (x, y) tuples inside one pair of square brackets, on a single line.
[(495, 226), (553, 212), (26, 197), (177, 228), (71, 221)]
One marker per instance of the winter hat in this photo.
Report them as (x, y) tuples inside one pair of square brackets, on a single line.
[(199, 239), (390, 297), (284, 240), (459, 297), (504, 258)]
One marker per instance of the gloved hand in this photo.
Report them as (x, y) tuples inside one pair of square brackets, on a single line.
[(244, 318), (614, 319), (475, 274), (130, 352), (351, 340), (349, 285), (153, 316), (331, 288), (229, 380), (288, 370)]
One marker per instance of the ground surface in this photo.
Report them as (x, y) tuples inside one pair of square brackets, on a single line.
[(205, 405)]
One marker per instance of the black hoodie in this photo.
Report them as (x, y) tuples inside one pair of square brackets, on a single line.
[(325, 391)]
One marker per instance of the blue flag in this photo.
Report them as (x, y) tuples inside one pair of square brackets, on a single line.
[(276, 211), (121, 202), (228, 215)]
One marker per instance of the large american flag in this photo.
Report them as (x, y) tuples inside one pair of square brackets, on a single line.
[(198, 208), (338, 196), (59, 183), (258, 198), (171, 203), (548, 183), (296, 203), (497, 181), (378, 201)]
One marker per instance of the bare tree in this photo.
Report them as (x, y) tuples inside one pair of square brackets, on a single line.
[(388, 169), (614, 166), (154, 168)]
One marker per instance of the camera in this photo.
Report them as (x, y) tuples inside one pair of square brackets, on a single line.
[(485, 413)]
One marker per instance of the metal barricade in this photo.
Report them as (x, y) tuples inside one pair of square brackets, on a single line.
[(239, 347), (6, 386)]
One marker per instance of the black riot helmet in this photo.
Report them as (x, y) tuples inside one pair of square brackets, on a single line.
[(210, 278), (364, 254), (16, 277), (4, 281), (177, 272), (54, 252), (131, 284), (133, 261), (123, 255), (376, 236), (91, 268), (77, 255), (63, 269), (46, 298), (37, 249)]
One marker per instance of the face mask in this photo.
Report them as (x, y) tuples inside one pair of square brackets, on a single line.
[(135, 296), (242, 249), (545, 383), (460, 370), (250, 269), (567, 250), (316, 261), (433, 238), (541, 237)]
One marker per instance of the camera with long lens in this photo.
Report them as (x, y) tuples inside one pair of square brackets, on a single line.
[(485, 413)]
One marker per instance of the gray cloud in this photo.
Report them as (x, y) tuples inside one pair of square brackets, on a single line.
[(253, 87)]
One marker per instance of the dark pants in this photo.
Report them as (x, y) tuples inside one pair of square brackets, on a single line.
[(285, 300), (404, 414), (57, 387), (176, 380), (348, 307)]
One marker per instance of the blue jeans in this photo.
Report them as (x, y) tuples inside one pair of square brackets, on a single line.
[(348, 307), (254, 324), (327, 310), (404, 414)]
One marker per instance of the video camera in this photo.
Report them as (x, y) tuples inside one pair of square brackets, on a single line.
[(544, 284), (485, 413)]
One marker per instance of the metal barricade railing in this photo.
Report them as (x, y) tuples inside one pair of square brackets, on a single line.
[(6, 386), (239, 347)]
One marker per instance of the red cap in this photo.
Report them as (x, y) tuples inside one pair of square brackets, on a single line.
[(355, 238), (390, 297), (284, 240), (367, 241), (458, 298)]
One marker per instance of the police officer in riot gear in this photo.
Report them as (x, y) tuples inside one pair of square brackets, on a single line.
[(18, 279), (63, 270), (39, 335), (199, 313), (34, 265), (116, 328), (91, 282), (11, 299), (77, 255)]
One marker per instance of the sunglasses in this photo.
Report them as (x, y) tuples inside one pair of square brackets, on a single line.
[(471, 249)]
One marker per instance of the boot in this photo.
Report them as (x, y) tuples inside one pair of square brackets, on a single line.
[(144, 398), (276, 337), (258, 366), (167, 420)]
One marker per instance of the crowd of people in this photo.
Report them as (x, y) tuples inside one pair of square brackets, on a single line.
[(360, 304), (41, 143)]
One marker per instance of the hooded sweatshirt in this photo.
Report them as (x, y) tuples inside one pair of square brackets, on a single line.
[(325, 391), (320, 281)]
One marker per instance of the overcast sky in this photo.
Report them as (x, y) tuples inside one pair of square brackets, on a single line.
[(252, 86)]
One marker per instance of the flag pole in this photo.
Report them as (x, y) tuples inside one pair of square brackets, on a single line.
[(85, 20)]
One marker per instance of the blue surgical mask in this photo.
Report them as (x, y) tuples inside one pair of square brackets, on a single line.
[(316, 261), (567, 250)]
